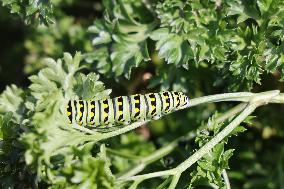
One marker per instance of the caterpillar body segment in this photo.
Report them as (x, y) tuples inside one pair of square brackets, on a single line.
[(123, 110)]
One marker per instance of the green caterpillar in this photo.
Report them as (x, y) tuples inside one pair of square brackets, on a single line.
[(123, 110)]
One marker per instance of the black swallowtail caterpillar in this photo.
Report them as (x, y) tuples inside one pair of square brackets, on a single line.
[(123, 110)]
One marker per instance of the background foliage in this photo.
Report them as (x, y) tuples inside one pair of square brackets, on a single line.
[(199, 47)]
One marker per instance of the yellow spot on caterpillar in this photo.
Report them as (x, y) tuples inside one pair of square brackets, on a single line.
[(80, 123), (137, 101), (137, 110), (120, 112), (81, 105), (105, 114), (80, 114), (153, 99), (119, 103), (92, 106), (153, 107), (92, 114), (68, 113), (105, 105)]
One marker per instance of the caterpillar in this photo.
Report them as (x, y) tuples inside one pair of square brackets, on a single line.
[(123, 110)]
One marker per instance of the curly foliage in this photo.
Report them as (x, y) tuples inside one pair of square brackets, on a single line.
[(44, 140), (121, 42), (14, 172), (11, 100), (211, 167), (31, 11), (241, 39), (86, 172)]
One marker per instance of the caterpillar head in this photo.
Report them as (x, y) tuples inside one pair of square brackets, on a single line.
[(184, 100)]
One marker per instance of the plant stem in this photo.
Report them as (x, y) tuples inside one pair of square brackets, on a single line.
[(174, 181), (158, 154), (226, 179), (135, 184), (278, 99), (149, 159), (242, 96), (203, 150), (230, 113), (103, 136), (218, 138), (255, 101), (121, 154), (214, 186), (123, 130), (143, 162)]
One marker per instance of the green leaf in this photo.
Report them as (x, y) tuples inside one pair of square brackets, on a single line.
[(51, 140), (211, 165), (35, 12), (218, 151), (206, 166), (264, 5), (46, 86), (89, 87), (225, 158), (128, 55), (174, 48), (239, 129), (11, 100), (13, 170), (88, 172), (118, 54), (243, 10)]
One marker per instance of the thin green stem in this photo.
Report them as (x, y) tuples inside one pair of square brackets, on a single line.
[(226, 179), (121, 154), (103, 136), (143, 162), (230, 113), (150, 175), (255, 101), (278, 99), (218, 138), (203, 150), (158, 154), (242, 96), (123, 130), (174, 181), (214, 186), (136, 183)]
